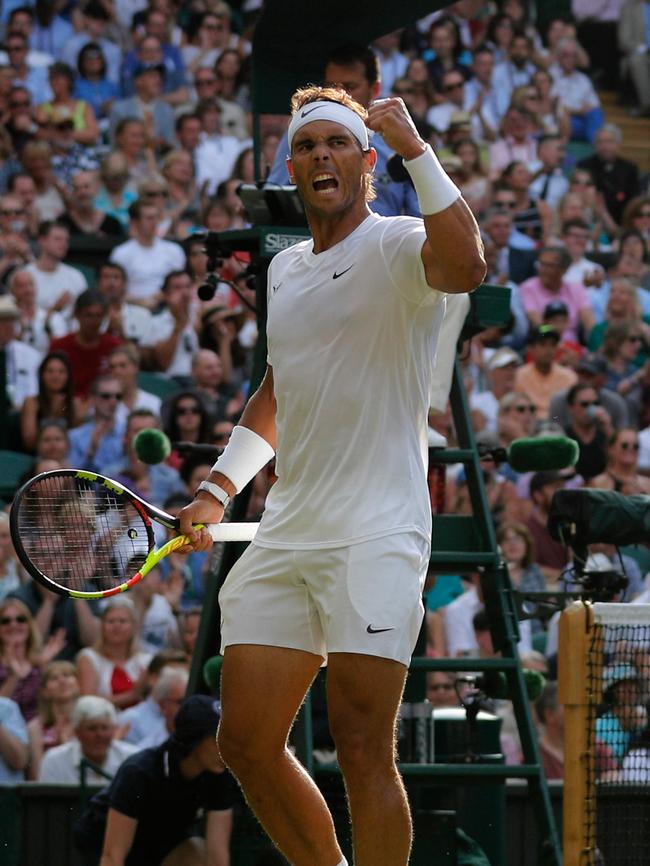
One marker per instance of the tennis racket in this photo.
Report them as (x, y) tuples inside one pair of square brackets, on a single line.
[(83, 535)]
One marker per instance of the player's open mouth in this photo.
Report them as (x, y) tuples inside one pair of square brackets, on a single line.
[(324, 183)]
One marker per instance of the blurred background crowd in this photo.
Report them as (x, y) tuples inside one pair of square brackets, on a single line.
[(125, 132)]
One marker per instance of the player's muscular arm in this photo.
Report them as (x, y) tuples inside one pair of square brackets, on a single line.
[(453, 251)]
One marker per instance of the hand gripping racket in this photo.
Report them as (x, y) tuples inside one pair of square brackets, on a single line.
[(86, 536)]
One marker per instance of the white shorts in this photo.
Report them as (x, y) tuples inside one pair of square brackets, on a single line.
[(365, 598)]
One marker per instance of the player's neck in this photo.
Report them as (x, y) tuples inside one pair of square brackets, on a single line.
[(330, 229)]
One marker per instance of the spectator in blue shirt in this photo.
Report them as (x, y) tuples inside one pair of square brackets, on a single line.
[(99, 442), (13, 742)]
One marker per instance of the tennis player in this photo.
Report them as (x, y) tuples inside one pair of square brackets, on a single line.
[(336, 570)]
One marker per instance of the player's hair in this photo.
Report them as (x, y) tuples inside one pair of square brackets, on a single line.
[(313, 93)]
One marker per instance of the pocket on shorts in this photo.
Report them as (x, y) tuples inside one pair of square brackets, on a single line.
[(385, 579)]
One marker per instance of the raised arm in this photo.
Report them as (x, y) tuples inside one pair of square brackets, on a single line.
[(453, 251)]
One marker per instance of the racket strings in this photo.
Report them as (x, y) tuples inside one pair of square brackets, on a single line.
[(81, 535)]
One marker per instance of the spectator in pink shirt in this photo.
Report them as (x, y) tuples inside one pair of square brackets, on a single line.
[(549, 286)]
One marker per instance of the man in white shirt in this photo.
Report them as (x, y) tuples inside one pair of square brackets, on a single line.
[(36, 327), (501, 368), (94, 720), (57, 284), (514, 72), (146, 258), (214, 157), (550, 184), (576, 93), (392, 63), (131, 322), (575, 237), (357, 309), (173, 340)]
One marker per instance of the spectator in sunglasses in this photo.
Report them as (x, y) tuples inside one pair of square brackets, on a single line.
[(99, 442), (22, 654), (621, 473), (591, 427)]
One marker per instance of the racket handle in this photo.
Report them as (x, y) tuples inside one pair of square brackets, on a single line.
[(233, 531)]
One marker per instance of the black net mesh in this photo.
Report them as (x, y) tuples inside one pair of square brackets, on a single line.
[(79, 533), (618, 808)]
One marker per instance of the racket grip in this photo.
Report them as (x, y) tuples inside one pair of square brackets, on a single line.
[(233, 531)]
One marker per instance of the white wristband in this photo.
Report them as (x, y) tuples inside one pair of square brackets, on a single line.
[(245, 454), (434, 188)]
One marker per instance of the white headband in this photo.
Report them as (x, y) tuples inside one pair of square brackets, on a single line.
[(325, 110)]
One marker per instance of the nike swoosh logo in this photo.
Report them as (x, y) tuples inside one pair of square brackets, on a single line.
[(335, 276), (372, 630), (275, 288), (309, 110)]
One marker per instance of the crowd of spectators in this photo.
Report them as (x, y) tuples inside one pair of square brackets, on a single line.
[(126, 131)]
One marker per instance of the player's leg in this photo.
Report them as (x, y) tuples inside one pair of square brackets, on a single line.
[(262, 688), (372, 611), (363, 696)]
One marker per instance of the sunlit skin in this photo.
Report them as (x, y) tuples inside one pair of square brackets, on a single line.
[(325, 153)]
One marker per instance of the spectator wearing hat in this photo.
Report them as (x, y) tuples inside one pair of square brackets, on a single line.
[(501, 369), (625, 716), (94, 721), (550, 285), (590, 426), (147, 105), (542, 377), (148, 813), (569, 352), (592, 370), (551, 554)]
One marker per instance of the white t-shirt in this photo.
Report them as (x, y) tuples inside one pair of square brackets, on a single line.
[(51, 285), (143, 400), (352, 337), (147, 267), (187, 345), (136, 323), (61, 764)]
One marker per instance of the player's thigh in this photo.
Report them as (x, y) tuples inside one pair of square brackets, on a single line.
[(363, 696), (369, 595), (265, 600), (190, 852), (262, 688)]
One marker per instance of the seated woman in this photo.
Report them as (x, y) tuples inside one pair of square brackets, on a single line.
[(621, 346), (623, 305), (65, 108), (52, 726), (55, 399), (115, 668), (22, 655), (621, 473)]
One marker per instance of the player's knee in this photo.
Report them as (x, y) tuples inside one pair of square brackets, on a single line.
[(358, 750), (240, 746)]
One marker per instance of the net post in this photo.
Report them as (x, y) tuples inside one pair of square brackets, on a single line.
[(573, 692)]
